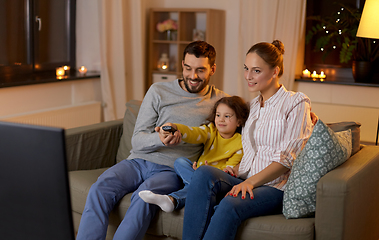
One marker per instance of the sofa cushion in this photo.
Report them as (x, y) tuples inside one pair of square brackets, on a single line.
[(324, 151), (130, 117), (80, 183), (277, 227), (355, 132)]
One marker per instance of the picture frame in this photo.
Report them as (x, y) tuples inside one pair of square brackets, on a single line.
[(198, 35)]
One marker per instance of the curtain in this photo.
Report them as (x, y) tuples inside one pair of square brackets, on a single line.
[(265, 21), (121, 36)]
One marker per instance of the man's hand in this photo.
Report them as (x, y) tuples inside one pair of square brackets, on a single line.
[(168, 138)]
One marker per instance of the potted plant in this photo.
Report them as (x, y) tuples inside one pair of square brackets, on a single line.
[(338, 32)]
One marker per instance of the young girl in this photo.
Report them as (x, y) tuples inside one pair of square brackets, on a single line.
[(222, 147), (278, 127)]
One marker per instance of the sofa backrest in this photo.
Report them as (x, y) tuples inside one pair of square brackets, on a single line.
[(355, 133), (131, 112), (130, 117)]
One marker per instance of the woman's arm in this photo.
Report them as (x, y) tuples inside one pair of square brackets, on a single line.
[(271, 172)]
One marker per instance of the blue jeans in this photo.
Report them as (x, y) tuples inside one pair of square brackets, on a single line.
[(210, 215), (125, 177), (183, 167)]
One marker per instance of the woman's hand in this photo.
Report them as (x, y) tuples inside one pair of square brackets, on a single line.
[(314, 118), (168, 138), (244, 187), (268, 174), (232, 171)]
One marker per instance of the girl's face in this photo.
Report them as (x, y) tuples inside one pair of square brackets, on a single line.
[(226, 121), (259, 75)]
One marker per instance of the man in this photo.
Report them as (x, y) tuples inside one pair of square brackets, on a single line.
[(150, 164)]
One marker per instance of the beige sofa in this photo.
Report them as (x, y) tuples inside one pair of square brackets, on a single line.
[(347, 197)]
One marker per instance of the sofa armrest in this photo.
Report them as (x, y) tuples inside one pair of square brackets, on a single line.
[(93, 146), (347, 198)]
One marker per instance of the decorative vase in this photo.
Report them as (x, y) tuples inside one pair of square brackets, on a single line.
[(362, 71), (171, 35), (168, 35)]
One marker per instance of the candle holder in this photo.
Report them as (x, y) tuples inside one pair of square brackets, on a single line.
[(60, 73), (306, 73), (163, 63), (314, 76), (82, 70), (66, 69)]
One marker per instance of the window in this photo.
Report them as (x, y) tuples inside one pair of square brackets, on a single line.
[(325, 8), (36, 36)]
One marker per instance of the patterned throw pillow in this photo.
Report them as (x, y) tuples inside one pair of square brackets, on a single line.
[(324, 151)]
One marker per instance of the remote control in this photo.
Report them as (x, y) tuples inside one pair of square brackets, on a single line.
[(169, 129)]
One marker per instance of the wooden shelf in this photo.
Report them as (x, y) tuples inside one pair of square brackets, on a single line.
[(210, 21)]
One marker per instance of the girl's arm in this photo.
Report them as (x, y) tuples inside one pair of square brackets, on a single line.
[(233, 160)]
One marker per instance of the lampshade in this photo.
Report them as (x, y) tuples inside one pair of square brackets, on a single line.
[(369, 23)]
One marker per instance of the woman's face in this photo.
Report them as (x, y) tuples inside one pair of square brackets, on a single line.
[(258, 74)]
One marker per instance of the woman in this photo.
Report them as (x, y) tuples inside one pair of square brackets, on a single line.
[(278, 126)]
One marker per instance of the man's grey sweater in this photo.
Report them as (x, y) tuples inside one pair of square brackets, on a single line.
[(168, 102)]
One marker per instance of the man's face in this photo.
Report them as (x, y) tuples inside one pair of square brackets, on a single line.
[(196, 73)]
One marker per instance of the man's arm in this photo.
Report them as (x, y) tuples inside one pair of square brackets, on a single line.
[(145, 138)]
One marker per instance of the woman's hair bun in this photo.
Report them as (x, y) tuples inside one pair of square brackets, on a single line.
[(279, 45)]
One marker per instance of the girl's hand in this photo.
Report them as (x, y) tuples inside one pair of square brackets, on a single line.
[(244, 187), (194, 165)]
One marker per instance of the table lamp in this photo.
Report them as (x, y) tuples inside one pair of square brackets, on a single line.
[(368, 25)]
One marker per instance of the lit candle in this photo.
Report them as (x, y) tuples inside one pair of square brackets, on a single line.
[(163, 62), (306, 73), (322, 75), (66, 69), (314, 75), (59, 72), (83, 70)]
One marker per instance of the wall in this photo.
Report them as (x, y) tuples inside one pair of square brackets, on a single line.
[(28, 98), (231, 33), (33, 98), (334, 103)]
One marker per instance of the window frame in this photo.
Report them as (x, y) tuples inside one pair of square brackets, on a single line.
[(12, 73)]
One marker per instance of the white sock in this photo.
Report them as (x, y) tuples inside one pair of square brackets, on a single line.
[(163, 201)]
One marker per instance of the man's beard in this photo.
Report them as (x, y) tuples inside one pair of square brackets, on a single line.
[(197, 89)]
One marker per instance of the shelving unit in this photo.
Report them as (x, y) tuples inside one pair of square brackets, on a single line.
[(209, 21)]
